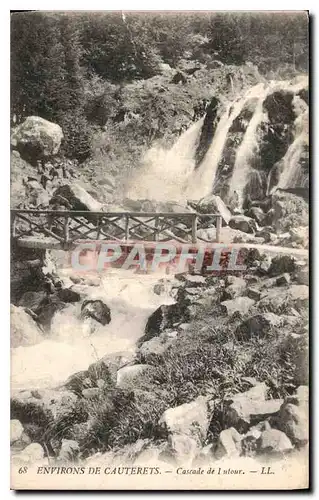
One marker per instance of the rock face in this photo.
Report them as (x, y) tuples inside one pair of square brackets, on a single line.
[(96, 309), (37, 138), (24, 330)]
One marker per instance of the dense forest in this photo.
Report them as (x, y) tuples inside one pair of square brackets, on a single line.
[(71, 69)]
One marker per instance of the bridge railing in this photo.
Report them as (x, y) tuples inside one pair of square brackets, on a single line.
[(69, 227)]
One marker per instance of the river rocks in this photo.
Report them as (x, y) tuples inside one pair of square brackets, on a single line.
[(274, 441), (283, 280), (290, 211), (37, 138), (243, 223), (279, 300), (213, 204), (156, 346), (248, 408), (91, 393), (76, 198), (47, 309), (40, 407), (97, 310), (79, 381), (257, 214), (258, 325), (190, 419), (192, 280), (282, 264), (294, 416), (300, 235), (32, 453), (32, 300), (235, 287), (164, 317), (240, 305), (16, 430), (181, 449), (253, 293), (24, 330), (228, 444), (127, 376), (69, 295), (69, 451)]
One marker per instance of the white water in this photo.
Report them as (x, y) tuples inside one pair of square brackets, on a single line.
[(291, 162), (165, 174), (203, 179), (70, 346), (169, 175)]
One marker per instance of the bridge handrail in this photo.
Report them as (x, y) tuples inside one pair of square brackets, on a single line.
[(111, 214), (113, 217)]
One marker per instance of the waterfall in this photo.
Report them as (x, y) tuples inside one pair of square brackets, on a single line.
[(170, 175), (291, 165), (165, 173), (246, 152)]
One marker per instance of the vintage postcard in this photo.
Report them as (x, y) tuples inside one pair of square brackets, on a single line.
[(159, 250)]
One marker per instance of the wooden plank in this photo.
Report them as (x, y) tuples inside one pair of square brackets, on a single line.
[(218, 228), (194, 229)]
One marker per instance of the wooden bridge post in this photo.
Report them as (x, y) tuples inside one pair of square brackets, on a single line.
[(127, 231), (218, 227), (194, 228), (156, 233), (66, 229), (13, 224)]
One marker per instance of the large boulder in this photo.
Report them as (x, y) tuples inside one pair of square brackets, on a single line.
[(213, 204), (190, 419), (274, 441), (293, 417), (41, 407), (24, 330), (258, 325), (16, 430), (37, 138), (164, 317), (243, 223), (248, 408), (75, 197), (239, 305), (129, 375), (279, 300), (97, 310), (228, 444), (289, 211)]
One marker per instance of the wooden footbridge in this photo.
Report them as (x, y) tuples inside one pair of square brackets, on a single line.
[(65, 230)]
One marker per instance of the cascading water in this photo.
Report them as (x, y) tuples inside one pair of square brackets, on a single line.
[(291, 175), (164, 174), (203, 179), (71, 345), (171, 175)]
